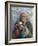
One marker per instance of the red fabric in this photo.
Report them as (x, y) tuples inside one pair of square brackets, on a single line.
[(17, 30)]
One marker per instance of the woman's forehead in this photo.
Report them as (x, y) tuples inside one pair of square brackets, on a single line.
[(25, 16)]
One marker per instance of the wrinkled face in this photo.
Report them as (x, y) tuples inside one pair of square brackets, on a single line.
[(24, 17)]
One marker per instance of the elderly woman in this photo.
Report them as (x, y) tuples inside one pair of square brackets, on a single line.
[(23, 28)]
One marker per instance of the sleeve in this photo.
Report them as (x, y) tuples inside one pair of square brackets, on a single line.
[(16, 30), (29, 26)]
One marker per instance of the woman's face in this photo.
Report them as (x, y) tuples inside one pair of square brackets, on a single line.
[(24, 17)]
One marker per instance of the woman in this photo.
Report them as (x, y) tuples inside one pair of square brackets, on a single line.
[(23, 28)]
